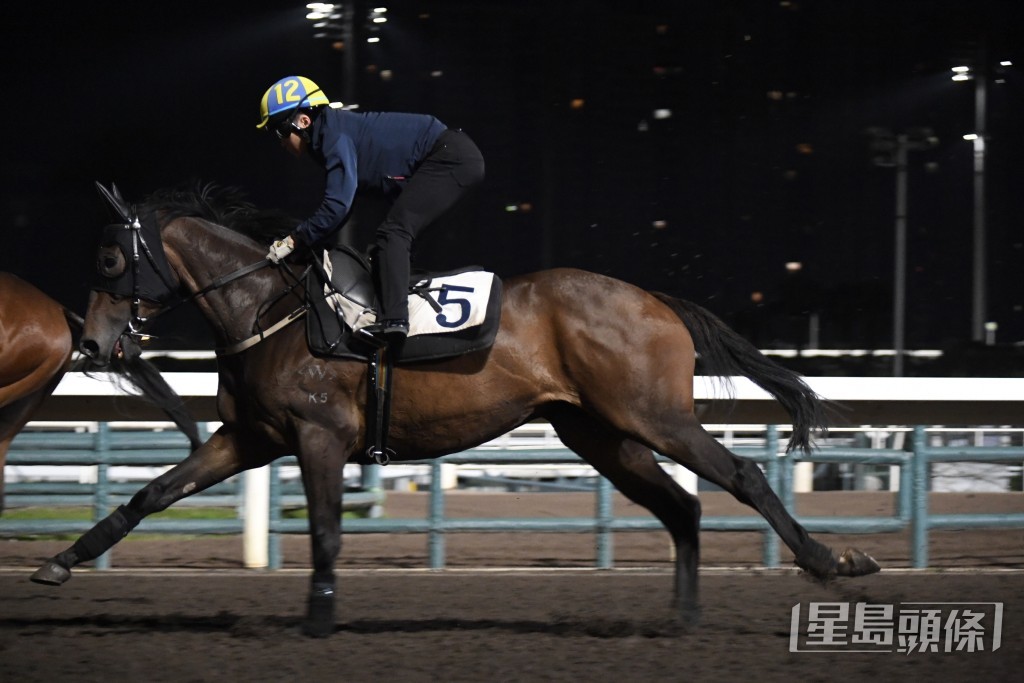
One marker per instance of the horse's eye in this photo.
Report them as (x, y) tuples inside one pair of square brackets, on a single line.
[(110, 261)]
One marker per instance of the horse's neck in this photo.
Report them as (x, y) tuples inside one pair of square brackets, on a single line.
[(201, 252)]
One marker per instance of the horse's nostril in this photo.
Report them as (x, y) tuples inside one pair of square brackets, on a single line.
[(89, 348)]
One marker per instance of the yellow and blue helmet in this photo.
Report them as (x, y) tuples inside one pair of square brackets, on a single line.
[(288, 94)]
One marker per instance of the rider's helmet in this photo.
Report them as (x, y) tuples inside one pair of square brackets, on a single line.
[(285, 97)]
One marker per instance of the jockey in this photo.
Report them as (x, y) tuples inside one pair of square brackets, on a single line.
[(419, 164)]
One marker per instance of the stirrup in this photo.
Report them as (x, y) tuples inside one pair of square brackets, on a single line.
[(381, 456), (371, 338), (385, 332)]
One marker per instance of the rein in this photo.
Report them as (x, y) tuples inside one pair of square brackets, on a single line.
[(255, 339), (216, 284), (276, 327), (230, 277), (137, 320)]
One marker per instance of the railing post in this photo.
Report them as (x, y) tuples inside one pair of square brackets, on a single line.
[(604, 522), (919, 521), (101, 504), (203, 428), (435, 540), (787, 477), (905, 496), (256, 525), (369, 479), (771, 539), (274, 560)]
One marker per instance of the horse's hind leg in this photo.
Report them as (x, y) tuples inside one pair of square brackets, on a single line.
[(215, 461), (694, 448), (631, 467)]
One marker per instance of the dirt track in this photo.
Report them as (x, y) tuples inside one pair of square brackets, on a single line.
[(221, 623)]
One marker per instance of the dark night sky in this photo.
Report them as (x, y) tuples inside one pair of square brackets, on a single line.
[(763, 161)]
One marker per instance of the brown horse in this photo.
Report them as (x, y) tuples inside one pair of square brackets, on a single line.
[(35, 352), (610, 365)]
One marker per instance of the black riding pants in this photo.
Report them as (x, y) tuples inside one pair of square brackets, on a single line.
[(452, 168)]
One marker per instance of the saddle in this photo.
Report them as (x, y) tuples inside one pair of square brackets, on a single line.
[(450, 313)]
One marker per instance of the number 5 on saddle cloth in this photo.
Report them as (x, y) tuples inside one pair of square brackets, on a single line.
[(450, 314)]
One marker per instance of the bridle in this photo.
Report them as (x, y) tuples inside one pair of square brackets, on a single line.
[(146, 261), (137, 320)]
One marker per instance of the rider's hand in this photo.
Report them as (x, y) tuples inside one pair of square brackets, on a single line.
[(280, 249)]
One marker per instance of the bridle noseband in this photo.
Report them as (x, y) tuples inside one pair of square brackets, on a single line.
[(150, 278)]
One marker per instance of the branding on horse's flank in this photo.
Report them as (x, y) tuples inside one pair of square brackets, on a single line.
[(316, 371), (313, 378), (462, 299)]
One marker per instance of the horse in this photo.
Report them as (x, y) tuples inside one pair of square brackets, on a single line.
[(36, 344), (608, 364)]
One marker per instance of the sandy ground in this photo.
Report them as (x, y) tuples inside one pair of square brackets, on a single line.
[(184, 610)]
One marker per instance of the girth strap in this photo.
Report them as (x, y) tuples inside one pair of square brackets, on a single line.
[(378, 405)]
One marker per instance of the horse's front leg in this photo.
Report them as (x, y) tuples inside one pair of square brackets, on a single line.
[(322, 455), (216, 460)]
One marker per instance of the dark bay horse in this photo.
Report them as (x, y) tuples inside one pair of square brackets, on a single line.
[(610, 365), (36, 341)]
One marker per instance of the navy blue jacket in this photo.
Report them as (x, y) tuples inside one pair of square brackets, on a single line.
[(367, 151)]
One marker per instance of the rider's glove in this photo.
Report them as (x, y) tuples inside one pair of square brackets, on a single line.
[(280, 249)]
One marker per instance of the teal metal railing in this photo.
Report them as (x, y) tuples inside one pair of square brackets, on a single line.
[(106, 448)]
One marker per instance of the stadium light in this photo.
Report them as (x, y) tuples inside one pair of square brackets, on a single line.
[(981, 72)]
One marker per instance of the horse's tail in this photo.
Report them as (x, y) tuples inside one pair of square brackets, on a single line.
[(723, 352), (147, 379), (144, 376)]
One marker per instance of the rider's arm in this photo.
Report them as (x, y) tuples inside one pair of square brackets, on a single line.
[(339, 192)]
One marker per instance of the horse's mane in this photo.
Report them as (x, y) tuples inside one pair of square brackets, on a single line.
[(226, 206)]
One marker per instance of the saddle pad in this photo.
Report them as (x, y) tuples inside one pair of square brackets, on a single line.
[(450, 314)]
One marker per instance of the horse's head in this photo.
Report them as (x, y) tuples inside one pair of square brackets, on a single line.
[(182, 244), (133, 282)]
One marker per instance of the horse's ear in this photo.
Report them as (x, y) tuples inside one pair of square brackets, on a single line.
[(117, 194), (114, 198)]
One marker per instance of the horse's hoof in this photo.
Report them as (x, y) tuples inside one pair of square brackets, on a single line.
[(853, 562), (317, 629), (690, 618), (319, 621), (51, 574), (817, 561)]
